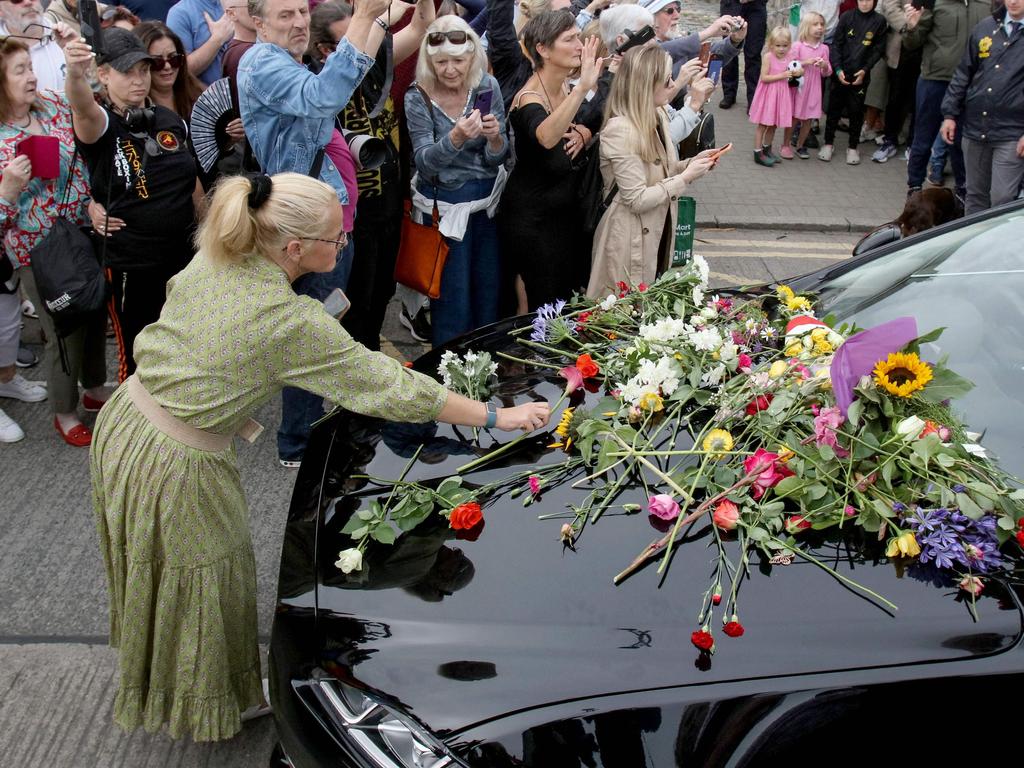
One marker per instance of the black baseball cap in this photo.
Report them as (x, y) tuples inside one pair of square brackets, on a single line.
[(121, 49)]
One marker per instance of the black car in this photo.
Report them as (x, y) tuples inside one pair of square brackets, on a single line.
[(509, 650)]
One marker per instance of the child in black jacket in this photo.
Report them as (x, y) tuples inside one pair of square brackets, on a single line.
[(858, 45)]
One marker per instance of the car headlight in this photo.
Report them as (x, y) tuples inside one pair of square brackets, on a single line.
[(384, 735)]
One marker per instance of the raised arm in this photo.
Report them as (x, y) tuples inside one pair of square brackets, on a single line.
[(407, 40), (87, 117)]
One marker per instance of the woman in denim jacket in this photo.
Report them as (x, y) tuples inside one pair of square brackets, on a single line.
[(459, 151)]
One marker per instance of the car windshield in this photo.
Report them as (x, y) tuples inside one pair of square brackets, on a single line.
[(970, 281)]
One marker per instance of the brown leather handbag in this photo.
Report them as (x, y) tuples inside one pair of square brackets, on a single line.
[(424, 251), (422, 255)]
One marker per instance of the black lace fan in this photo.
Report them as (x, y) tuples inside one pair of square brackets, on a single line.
[(211, 114)]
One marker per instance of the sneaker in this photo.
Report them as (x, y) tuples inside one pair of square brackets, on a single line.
[(770, 154), (906, 155), (912, 190), (762, 159), (802, 153), (880, 139), (852, 157), (786, 152), (10, 432), (26, 357), (28, 309), (934, 178), (868, 134), (825, 153), (290, 463), (22, 389), (418, 326), (883, 153)]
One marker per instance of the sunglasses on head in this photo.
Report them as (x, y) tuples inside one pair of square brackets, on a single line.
[(174, 61), (455, 36)]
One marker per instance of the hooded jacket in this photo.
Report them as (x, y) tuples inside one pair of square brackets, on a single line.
[(859, 42)]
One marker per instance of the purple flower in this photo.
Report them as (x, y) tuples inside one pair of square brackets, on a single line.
[(958, 488), (899, 506), (548, 317)]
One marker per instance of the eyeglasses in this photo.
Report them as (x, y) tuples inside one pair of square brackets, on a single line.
[(455, 36), (672, 10), (338, 244), (160, 63)]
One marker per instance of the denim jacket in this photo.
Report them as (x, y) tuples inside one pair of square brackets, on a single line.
[(438, 158), (288, 112)]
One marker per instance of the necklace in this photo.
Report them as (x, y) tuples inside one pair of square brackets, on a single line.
[(22, 127)]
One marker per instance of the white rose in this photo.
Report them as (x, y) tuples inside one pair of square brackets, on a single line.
[(910, 428), (609, 302), (350, 560)]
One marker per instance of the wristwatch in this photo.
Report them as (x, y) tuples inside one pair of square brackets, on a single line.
[(492, 416)]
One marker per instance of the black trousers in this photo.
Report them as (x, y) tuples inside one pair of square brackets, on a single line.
[(756, 15), (376, 237), (902, 89), (136, 298), (850, 97)]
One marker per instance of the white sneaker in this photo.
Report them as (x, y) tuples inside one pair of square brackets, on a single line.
[(10, 432), (825, 153), (19, 388), (28, 309), (868, 134), (852, 157)]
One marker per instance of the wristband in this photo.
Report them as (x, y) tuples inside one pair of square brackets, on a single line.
[(492, 416), (383, 24)]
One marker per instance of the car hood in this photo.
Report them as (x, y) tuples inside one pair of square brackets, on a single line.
[(458, 631)]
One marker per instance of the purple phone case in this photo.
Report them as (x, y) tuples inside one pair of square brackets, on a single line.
[(483, 102)]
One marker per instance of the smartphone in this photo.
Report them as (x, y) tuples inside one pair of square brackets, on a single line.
[(337, 304), (89, 18), (44, 154), (705, 53), (714, 156), (715, 69), (483, 102), (926, 5), (633, 39)]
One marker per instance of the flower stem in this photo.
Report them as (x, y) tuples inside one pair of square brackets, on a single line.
[(528, 362)]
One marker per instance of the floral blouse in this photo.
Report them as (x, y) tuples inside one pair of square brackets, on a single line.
[(26, 221)]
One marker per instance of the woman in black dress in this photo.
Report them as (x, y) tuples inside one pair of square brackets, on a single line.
[(541, 230)]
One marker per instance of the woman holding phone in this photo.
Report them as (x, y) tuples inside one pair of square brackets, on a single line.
[(457, 126), (642, 175), (29, 204)]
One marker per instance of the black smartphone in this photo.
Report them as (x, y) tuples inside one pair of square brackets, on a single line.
[(483, 102), (633, 39), (715, 69), (89, 18), (923, 5)]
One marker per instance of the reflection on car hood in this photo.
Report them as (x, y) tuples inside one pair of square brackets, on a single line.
[(463, 631)]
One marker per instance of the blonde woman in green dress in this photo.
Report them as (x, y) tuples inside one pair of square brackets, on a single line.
[(169, 504)]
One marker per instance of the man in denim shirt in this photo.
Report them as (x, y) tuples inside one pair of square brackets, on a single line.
[(288, 114)]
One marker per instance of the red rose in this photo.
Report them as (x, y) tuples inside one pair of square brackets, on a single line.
[(1020, 537), (733, 629), (795, 524), (465, 516), (642, 287), (759, 403), (703, 640), (716, 598), (586, 365), (471, 534), (582, 318)]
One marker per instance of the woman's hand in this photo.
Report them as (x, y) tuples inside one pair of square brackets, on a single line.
[(79, 57), (63, 34), (697, 167), (100, 222), (689, 72), (490, 129), (466, 128), (576, 138), (911, 16), (798, 72), (235, 131), (699, 93), (590, 65), (15, 178), (527, 417), (597, 5)]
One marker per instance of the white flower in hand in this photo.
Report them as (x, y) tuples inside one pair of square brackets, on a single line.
[(350, 560)]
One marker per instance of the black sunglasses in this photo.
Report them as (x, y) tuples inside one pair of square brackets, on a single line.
[(455, 36), (174, 61)]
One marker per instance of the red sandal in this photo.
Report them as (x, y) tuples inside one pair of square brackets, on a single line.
[(91, 404), (79, 435)]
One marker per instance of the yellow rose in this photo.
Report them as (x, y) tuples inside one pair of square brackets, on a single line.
[(904, 545), (651, 402), (778, 368), (794, 349)]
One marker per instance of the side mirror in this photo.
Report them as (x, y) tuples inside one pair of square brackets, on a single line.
[(876, 238)]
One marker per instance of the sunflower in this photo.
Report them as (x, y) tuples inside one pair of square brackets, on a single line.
[(562, 430), (902, 374), (799, 304), (784, 292), (717, 442)]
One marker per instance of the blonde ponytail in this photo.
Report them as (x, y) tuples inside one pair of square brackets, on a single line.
[(297, 207)]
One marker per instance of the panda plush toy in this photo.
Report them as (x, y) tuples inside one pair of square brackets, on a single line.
[(795, 82)]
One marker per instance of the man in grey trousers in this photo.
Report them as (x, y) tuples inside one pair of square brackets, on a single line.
[(986, 95)]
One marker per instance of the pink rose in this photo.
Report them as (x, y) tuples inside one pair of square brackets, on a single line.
[(726, 515), (534, 484), (663, 506), (745, 363), (826, 422), (768, 470)]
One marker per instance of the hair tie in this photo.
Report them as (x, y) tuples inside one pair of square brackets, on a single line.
[(260, 186)]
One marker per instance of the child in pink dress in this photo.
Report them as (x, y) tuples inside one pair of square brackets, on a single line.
[(772, 106), (813, 57)]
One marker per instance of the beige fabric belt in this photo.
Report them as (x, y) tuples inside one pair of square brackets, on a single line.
[(178, 430)]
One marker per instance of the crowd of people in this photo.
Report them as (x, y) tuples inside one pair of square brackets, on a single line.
[(548, 140)]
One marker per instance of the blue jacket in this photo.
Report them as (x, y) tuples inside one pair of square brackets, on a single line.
[(288, 112), (186, 19)]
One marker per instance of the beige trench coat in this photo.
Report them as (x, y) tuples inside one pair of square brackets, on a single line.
[(627, 244)]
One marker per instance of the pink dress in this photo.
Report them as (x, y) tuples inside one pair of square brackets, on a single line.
[(773, 102), (807, 100)]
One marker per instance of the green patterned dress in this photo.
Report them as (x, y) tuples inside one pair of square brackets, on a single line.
[(172, 520)]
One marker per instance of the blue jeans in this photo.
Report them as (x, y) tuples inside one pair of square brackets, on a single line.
[(299, 408), (470, 283), (927, 120), (937, 161)]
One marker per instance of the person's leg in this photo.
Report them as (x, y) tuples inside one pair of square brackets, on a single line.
[(937, 161), (730, 77), (855, 96), (390, 240), (141, 298), (835, 110), (756, 15), (979, 178), (62, 386), (805, 129), (450, 313), (928, 118), (364, 268), (486, 270), (1007, 172), (956, 162), (10, 332)]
